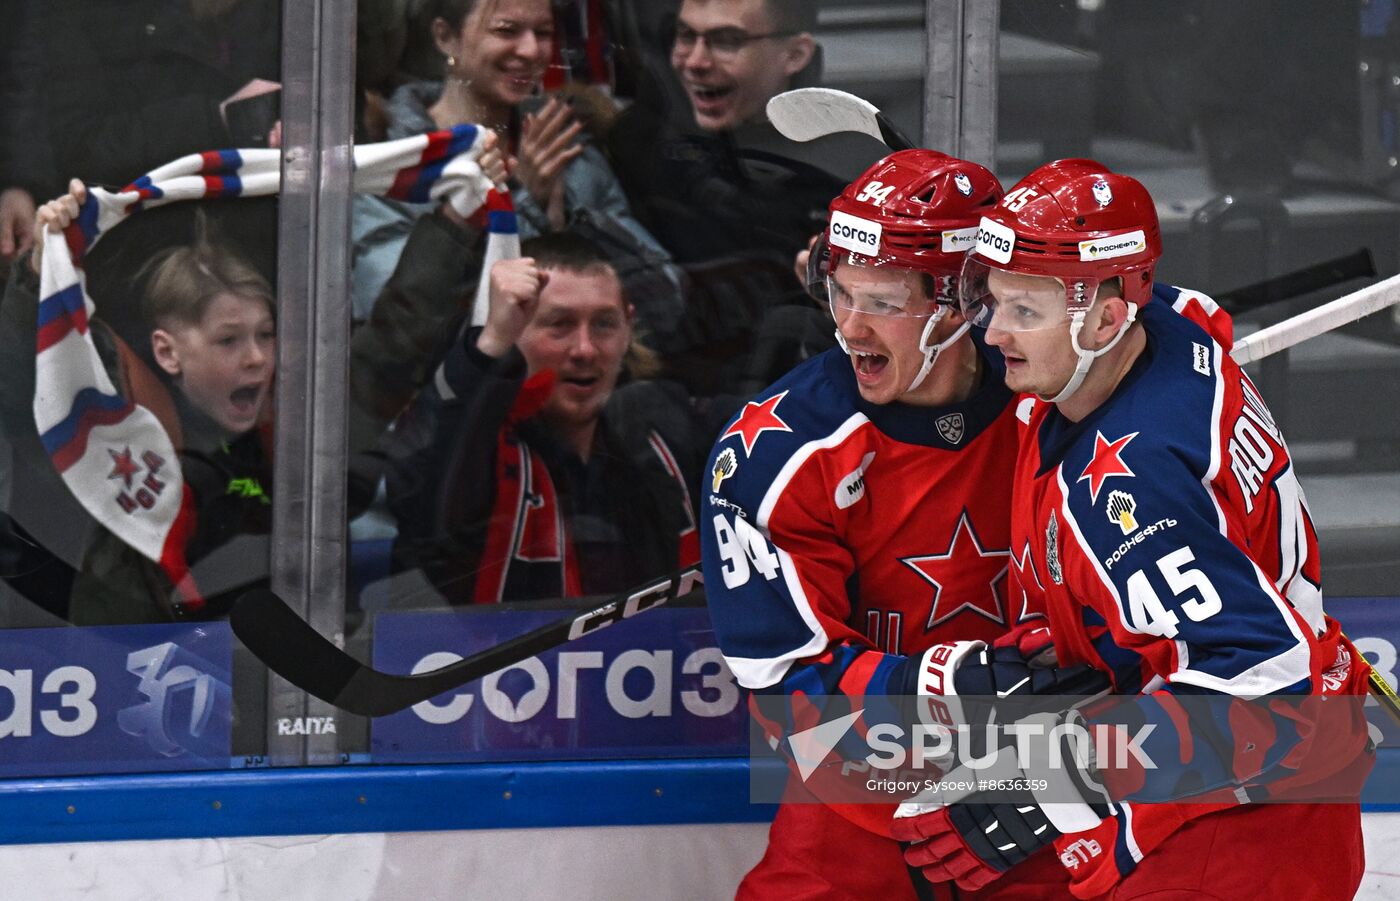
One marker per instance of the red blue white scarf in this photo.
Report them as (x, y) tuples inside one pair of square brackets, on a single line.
[(112, 453)]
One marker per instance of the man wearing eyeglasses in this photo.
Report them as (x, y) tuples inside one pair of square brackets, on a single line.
[(730, 198), (732, 55)]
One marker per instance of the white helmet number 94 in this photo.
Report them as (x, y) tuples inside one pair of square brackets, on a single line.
[(875, 192)]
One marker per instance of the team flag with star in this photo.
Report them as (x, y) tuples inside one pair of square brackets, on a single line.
[(113, 454)]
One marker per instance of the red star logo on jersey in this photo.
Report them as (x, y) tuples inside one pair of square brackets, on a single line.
[(123, 466), (959, 581), (1107, 462), (758, 417), (1026, 576)]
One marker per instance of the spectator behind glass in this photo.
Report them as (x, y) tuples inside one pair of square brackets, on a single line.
[(730, 198), (496, 52), (733, 55), (702, 166), (213, 337), (523, 471)]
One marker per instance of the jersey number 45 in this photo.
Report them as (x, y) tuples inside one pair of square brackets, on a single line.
[(1147, 614)]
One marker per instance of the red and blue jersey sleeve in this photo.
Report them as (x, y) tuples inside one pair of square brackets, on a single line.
[(777, 575)]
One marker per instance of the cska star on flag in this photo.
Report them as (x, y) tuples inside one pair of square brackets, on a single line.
[(758, 417), (145, 492), (1107, 462), (124, 466)]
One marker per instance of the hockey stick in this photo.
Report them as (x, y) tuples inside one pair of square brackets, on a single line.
[(805, 114), (1314, 322), (294, 650), (1310, 324), (1358, 264)]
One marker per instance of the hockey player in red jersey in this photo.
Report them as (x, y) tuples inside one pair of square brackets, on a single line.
[(858, 512), (1158, 517)]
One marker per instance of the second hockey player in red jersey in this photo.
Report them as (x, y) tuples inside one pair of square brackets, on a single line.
[(1164, 528), (858, 516)]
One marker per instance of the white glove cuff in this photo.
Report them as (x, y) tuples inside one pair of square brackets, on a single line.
[(1063, 777), (938, 703)]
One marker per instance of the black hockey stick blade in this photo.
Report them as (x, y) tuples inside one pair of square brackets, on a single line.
[(1358, 264), (298, 653), (805, 114)]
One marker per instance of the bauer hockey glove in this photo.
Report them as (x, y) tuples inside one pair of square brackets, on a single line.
[(961, 683)]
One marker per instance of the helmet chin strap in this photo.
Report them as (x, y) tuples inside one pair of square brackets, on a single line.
[(931, 351), (1087, 357), (840, 338)]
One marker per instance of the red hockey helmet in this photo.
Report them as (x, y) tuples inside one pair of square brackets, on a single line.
[(914, 210), (917, 209), (1076, 223), (1073, 220)]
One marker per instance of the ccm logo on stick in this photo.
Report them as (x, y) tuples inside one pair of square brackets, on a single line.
[(653, 595)]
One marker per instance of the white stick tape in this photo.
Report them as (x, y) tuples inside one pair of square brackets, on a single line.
[(1314, 322), (804, 114)]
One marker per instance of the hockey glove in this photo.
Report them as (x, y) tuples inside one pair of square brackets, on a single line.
[(976, 838), (961, 682), (971, 843)]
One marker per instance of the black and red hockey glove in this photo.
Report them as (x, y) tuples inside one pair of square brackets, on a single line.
[(971, 843)]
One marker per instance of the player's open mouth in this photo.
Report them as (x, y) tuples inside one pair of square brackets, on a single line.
[(869, 365), (581, 382)]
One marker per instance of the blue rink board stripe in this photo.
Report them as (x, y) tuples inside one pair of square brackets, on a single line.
[(316, 801)]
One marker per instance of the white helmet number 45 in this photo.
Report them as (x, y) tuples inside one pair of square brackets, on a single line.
[(1019, 198)]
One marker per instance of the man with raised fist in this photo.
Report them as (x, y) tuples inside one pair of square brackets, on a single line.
[(588, 485)]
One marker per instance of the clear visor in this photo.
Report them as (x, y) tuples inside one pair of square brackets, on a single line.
[(881, 287), (1013, 302)]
